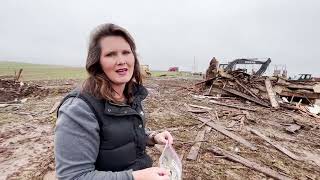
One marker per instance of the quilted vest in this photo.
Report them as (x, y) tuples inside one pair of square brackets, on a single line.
[(122, 132)]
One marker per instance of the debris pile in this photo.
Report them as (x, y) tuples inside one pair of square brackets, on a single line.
[(266, 91), (11, 90)]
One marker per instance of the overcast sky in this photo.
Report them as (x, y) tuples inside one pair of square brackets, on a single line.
[(167, 32)]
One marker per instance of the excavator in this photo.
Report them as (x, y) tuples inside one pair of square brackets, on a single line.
[(232, 65)]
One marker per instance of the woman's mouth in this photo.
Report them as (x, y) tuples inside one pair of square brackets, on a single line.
[(122, 71)]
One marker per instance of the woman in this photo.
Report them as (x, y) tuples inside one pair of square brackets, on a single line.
[(100, 131)]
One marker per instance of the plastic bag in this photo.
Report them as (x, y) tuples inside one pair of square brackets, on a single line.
[(171, 161)]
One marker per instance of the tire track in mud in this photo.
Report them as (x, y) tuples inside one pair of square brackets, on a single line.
[(23, 148)]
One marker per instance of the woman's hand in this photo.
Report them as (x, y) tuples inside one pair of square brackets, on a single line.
[(163, 137), (154, 173)]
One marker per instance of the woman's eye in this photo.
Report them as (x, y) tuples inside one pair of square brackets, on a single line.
[(110, 54), (126, 52)]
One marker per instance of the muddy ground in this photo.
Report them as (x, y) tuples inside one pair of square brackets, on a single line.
[(27, 129)]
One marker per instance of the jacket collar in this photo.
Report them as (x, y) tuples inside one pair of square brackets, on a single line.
[(139, 94)]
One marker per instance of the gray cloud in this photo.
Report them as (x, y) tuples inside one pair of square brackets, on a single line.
[(167, 32)]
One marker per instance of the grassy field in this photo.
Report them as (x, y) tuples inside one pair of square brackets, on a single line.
[(49, 72), (170, 74), (42, 72)]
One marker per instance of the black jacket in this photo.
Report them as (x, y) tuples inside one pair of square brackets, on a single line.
[(122, 132)]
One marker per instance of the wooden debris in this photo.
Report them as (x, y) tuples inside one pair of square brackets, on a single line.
[(196, 147), (309, 95), (293, 128), (231, 106), (201, 125), (248, 116), (54, 107), (197, 111), (207, 129), (276, 145), (247, 163), (245, 96), (247, 89), (312, 157), (272, 96), (4, 105), (201, 107), (222, 130), (18, 75)]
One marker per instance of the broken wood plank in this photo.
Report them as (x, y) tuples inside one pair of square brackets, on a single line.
[(196, 147), (207, 129), (247, 89), (201, 125), (197, 111), (201, 107), (54, 107), (4, 105), (245, 96), (271, 94), (232, 106), (205, 81), (247, 163), (210, 89), (312, 157), (293, 128), (316, 88), (222, 130), (276, 145), (309, 95), (18, 75)]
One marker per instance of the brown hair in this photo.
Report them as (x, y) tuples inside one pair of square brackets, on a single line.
[(98, 84)]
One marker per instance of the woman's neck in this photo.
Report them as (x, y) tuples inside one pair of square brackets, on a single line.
[(119, 89)]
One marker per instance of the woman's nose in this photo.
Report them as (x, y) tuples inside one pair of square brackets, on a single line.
[(121, 60)]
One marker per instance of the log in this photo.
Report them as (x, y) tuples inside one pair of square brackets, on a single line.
[(271, 94), (222, 130), (252, 165), (276, 145)]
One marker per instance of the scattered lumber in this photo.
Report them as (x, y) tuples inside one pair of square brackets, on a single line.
[(261, 89), (222, 130), (201, 107), (293, 128), (54, 107), (245, 96), (196, 147), (276, 145), (232, 106), (197, 111), (252, 165), (272, 96)]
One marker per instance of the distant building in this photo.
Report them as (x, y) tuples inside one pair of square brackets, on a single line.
[(173, 69)]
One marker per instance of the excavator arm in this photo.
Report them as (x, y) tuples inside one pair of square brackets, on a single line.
[(264, 64)]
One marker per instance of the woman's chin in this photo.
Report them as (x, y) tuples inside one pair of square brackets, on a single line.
[(121, 81)]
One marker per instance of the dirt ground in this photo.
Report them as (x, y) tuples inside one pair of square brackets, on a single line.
[(27, 129)]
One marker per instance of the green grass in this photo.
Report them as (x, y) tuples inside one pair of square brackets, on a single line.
[(51, 72), (41, 71), (170, 74)]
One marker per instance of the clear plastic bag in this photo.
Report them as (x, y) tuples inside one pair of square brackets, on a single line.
[(171, 161)]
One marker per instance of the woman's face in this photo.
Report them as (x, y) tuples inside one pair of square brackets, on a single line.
[(116, 59)]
